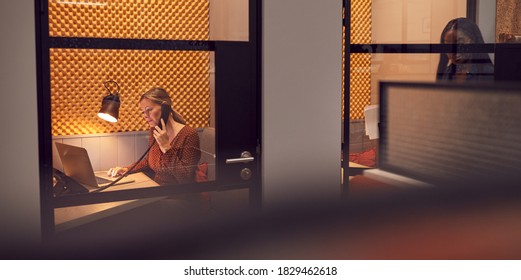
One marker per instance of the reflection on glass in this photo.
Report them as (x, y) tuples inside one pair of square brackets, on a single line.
[(460, 66)]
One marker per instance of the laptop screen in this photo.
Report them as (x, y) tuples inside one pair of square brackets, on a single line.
[(76, 164)]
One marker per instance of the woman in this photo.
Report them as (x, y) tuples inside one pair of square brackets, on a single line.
[(463, 66), (175, 151)]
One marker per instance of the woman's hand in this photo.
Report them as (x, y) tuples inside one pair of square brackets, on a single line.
[(161, 137), (117, 171)]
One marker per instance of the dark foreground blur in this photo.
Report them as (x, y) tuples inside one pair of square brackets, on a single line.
[(464, 222)]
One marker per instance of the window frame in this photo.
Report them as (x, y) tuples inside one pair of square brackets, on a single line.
[(44, 42), (349, 49)]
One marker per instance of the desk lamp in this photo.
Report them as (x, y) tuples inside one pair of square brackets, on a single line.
[(110, 111), (110, 105)]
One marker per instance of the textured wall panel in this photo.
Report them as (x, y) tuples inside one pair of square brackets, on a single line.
[(360, 81), (361, 21), (343, 69), (77, 77), (135, 19)]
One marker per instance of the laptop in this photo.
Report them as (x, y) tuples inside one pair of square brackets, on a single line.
[(77, 165)]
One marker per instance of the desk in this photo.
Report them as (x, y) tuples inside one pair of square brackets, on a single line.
[(354, 170), (69, 217), (356, 165)]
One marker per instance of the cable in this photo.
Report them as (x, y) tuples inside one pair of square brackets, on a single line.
[(134, 166)]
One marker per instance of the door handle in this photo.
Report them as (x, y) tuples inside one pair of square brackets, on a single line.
[(245, 158)]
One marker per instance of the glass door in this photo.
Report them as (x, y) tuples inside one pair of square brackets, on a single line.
[(203, 54), (402, 40)]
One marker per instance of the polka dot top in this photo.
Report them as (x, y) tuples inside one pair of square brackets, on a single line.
[(178, 164)]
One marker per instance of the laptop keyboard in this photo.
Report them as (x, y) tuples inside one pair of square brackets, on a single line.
[(100, 180)]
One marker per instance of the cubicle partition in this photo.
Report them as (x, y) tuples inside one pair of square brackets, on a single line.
[(444, 133)]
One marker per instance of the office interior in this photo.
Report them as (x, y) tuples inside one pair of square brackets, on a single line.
[(303, 79)]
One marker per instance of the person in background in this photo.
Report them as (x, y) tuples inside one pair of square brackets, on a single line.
[(175, 151), (463, 67)]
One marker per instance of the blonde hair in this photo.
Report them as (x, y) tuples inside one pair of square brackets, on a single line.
[(161, 97)]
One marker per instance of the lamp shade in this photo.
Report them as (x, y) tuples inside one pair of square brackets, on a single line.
[(110, 108)]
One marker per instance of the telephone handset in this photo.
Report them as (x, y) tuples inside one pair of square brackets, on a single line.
[(64, 185), (165, 114)]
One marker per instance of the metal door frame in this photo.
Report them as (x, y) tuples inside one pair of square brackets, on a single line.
[(44, 43)]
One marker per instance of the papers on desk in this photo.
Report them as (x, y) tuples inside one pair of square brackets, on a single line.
[(371, 121)]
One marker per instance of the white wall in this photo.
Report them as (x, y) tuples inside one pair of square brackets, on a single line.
[(412, 21), (301, 119), (229, 20), (486, 19), (19, 191), (105, 150)]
